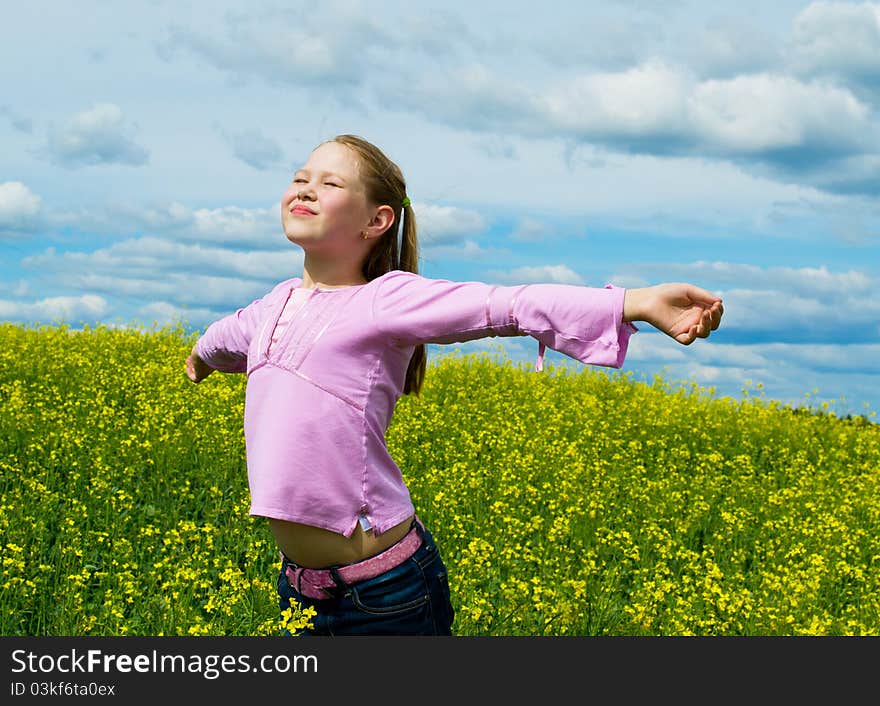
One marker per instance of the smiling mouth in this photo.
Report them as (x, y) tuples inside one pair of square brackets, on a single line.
[(302, 211)]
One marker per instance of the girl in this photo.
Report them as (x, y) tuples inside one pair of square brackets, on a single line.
[(328, 355)]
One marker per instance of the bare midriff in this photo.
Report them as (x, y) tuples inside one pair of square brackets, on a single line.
[(317, 548)]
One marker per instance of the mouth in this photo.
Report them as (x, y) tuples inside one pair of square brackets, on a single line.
[(301, 210)]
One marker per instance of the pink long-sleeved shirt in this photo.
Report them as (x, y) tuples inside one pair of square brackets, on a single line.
[(318, 404)]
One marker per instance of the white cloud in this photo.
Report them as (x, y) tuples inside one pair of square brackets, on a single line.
[(518, 348), (467, 250), (857, 174), (530, 230), (257, 228), (301, 51), (656, 348), (652, 346), (444, 225), (807, 281), (658, 108), (336, 44), (767, 113), (68, 308), (652, 101), (731, 45), (199, 280), (473, 97), (838, 38), (630, 281), (96, 136), (19, 208), (254, 149), (237, 225), (209, 291), (153, 257), (167, 216), (785, 314), (864, 358), (163, 313), (558, 274), (644, 101), (604, 40)]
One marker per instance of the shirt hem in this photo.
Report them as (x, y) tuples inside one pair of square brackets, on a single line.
[(378, 528)]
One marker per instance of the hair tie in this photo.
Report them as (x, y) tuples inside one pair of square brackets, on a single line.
[(406, 201)]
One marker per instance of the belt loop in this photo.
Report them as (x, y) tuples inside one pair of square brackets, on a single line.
[(337, 579), (420, 528), (297, 573)]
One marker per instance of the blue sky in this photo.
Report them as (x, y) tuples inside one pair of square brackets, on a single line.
[(145, 147)]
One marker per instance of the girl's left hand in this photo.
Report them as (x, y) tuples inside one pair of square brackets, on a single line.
[(680, 310), (196, 368)]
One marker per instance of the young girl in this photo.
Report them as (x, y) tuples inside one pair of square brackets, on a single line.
[(329, 354)]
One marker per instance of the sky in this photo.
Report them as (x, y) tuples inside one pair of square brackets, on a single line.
[(144, 148)]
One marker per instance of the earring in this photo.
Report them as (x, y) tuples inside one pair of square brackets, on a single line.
[(364, 234)]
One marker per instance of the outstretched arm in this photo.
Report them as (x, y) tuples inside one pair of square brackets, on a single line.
[(680, 310), (584, 323), (224, 345)]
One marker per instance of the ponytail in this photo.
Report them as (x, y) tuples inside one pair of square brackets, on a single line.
[(384, 184), (409, 261)]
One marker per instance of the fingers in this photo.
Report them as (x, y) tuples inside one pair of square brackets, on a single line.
[(709, 321), (717, 312), (686, 339), (702, 296)]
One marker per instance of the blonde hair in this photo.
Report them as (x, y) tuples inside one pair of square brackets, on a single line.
[(384, 184)]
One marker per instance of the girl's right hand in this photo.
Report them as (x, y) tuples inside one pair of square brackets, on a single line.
[(680, 310), (196, 368)]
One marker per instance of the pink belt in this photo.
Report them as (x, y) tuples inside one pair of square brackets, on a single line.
[(315, 582)]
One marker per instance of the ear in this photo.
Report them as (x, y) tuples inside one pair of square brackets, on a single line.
[(382, 220)]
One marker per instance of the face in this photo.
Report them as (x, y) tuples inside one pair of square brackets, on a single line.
[(325, 206)]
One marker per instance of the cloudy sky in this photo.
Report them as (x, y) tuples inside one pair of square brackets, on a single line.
[(145, 147)]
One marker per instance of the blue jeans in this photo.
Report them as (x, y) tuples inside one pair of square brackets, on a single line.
[(410, 599)]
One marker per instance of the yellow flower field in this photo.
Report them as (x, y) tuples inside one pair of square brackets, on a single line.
[(572, 502)]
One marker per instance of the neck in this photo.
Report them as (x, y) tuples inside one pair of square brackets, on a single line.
[(330, 273)]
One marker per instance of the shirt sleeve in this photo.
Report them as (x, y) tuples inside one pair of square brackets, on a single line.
[(224, 344), (584, 323)]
